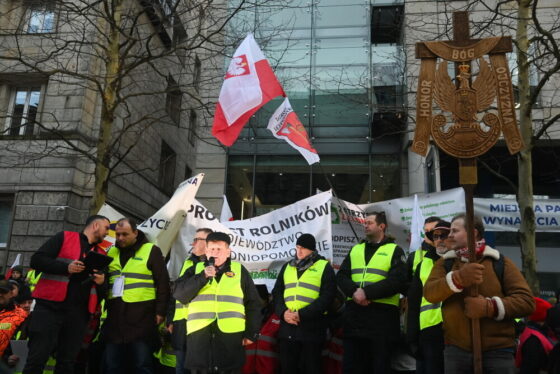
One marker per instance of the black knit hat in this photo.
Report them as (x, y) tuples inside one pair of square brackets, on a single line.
[(440, 225), (307, 241), (218, 237)]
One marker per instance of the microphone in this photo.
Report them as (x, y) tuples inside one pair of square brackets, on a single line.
[(211, 262)]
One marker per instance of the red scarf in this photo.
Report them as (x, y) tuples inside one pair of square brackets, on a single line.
[(464, 252)]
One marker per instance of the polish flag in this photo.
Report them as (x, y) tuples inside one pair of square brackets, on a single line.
[(11, 269), (285, 125), (226, 214), (249, 84)]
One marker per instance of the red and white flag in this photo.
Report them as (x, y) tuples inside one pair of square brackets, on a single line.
[(249, 84), (285, 124), (17, 262), (226, 214)]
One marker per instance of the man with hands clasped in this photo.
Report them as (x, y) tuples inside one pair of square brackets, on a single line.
[(223, 310), (503, 294), (303, 292)]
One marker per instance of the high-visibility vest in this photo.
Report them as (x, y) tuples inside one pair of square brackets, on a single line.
[(430, 314), (418, 257), (526, 334), (332, 355), (302, 291), (376, 270), (32, 278), (102, 319), (138, 279), (218, 300), (166, 356), (261, 356), (53, 287), (181, 310)]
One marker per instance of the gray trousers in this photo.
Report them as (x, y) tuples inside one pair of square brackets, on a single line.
[(458, 361)]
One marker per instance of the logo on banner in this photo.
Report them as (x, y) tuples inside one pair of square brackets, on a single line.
[(238, 67), (293, 129)]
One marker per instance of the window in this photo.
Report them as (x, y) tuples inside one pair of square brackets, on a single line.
[(193, 122), (173, 101), (168, 160), (22, 115), (6, 204), (386, 24), (196, 77), (41, 18)]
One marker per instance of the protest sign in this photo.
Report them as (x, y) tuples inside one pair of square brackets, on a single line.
[(264, 243)]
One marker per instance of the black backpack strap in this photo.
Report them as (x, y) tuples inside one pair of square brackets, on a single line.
[(499, 269), (448, 264)]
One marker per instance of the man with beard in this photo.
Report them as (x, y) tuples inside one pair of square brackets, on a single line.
[(372, 276), (65, 298), (179, 326), (503, 295), (424, 325), (137, 304), (303, 292)]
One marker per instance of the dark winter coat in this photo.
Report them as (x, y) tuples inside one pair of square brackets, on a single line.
[(313, 320), (209, 348), (127, 322), (375, 319)]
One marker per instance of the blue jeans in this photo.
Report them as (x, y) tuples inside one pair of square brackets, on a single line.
[(458, 361), (139, 354)]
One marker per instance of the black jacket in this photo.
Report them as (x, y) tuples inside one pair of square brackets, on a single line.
[(313, 321), (127, 322), (375, 319), (210, 348), (534, 357), (414, 335), (44, 260)]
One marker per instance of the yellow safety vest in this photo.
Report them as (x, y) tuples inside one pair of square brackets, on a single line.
[(166, 356), (430, 314), (300, 292), (376, 270), (418, 257), (32, 278), (218, 300), (138, 279), (181, 310)]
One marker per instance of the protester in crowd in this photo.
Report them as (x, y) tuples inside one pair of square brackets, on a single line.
[(427, 244), (24, 300), (65, 296), (179, 324), (535, 343), (425, 323), (138, 298), (371, 276), (224, 310), (11, 315), (17, 274), (503, 294), (303, 293)]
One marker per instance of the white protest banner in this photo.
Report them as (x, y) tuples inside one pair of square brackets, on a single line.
[(445, 205), (347, 228), (113, 215), (503, 214), (163, 226), (264, 243)]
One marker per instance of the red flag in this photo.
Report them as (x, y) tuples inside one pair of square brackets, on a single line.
[(17, 262), (248, 85), (286, 125)]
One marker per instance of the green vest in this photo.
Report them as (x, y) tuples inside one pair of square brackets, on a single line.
[(222, 301), (32, 278), (102, 319), (138, 279), (181, 310), (430, 314), (166, 356), (418, 257), (375, 271), (299, 293)]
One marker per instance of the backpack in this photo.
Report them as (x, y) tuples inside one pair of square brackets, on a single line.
[(498, 266)]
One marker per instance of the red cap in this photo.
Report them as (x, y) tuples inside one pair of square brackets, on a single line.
[(539, 315)]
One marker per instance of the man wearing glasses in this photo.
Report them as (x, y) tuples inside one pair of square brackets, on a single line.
[(179, 326), (416, 257), (372, 276), (424, 327)]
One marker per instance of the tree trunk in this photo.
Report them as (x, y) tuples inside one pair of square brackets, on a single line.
[(109, 103), (524, 161)]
